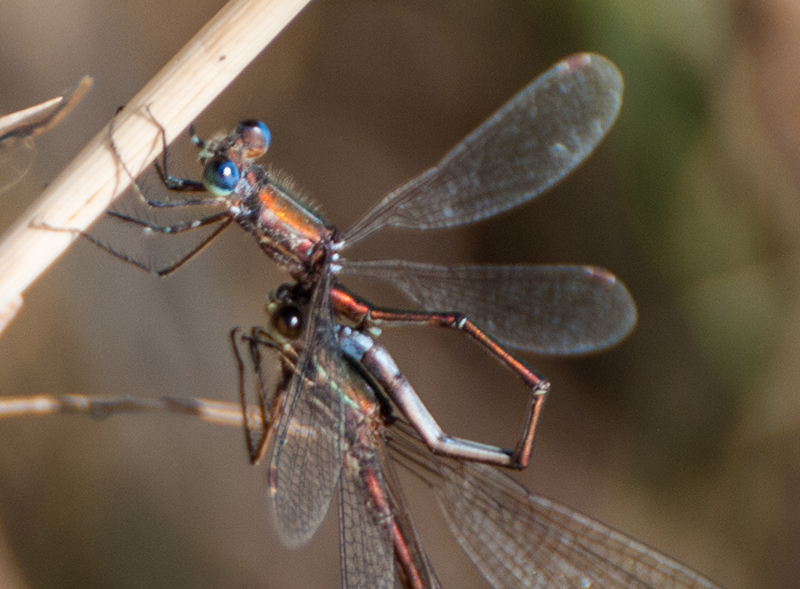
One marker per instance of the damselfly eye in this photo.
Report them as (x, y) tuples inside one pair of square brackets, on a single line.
[(255, 138), (288, 321), (220, 176)]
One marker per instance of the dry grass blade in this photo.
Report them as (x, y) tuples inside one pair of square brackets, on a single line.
[(14, 120), (37, 119), (175, 96)]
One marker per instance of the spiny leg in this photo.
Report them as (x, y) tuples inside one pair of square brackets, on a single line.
[(171, 183), (268, 410), (365, 315)]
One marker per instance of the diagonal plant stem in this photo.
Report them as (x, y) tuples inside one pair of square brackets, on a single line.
[(176, 95)]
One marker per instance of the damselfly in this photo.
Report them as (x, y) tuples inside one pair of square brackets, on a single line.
[(357, 403), (533, 141), (18, 129)]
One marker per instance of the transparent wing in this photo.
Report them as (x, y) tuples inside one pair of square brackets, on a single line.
[(307, 458), (528, 145), (520, 540), (417, 564), (366, 549), (542, 309)]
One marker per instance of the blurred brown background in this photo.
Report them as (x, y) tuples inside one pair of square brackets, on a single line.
[(685, 436)]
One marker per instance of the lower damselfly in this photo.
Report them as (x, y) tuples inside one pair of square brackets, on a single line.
[(357, 405)]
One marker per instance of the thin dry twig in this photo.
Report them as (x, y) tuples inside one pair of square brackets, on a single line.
[(39, 118), (175, 96), (216, 412)]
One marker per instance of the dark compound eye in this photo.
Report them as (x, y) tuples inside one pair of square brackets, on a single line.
[(288, 321), (255, 138), (220, 176)]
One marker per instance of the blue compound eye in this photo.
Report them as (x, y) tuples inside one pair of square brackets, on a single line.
[(220, 176), (255, 138)]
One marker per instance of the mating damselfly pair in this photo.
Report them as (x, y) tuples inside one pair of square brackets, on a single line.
[(341, 397)]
